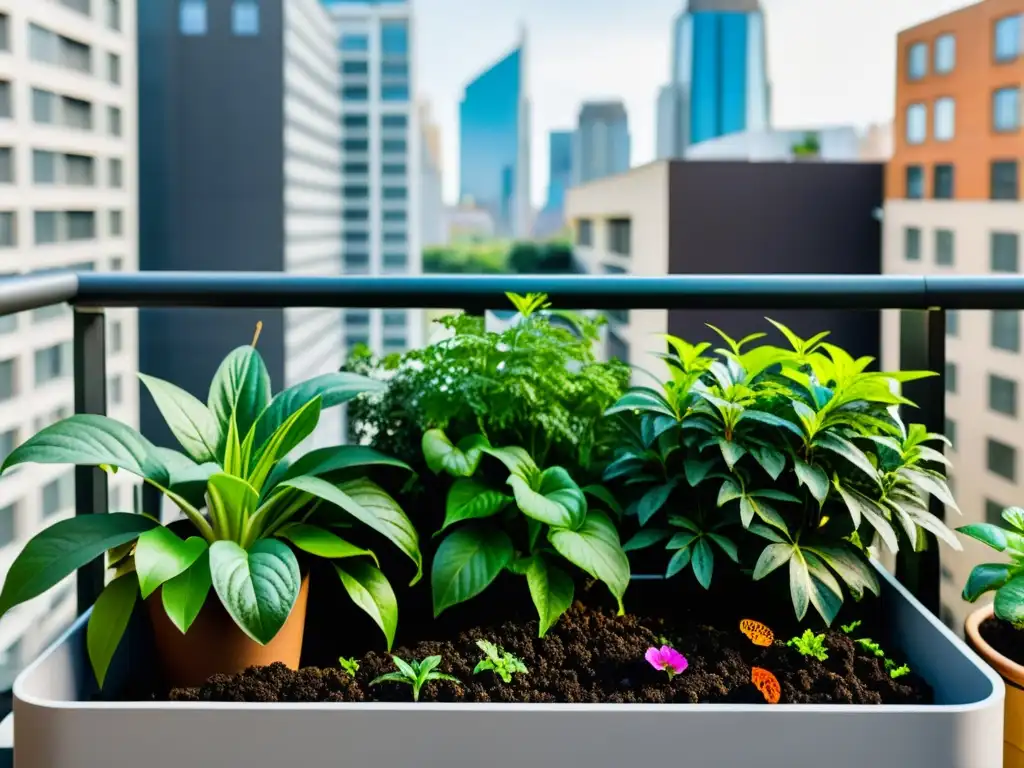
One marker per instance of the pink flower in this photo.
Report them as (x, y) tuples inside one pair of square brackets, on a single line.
[(668, 660)]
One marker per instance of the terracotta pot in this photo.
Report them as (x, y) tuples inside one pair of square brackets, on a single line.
[(215, 645), (1013, 675)]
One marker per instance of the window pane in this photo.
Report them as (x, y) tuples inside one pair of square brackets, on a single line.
[(952, 322), (42, 44), (394, 121), (6, 108), (1004, 251), (355, 93), (915, 182), (945, 119), (357, 317), (45, 226), (1002, 395), (77, 113), (355, 67), (619, 236), (994, 512), (944, 246), (912, 243), (6, 165), (192, 17), (81, 225), (585, 232), (8, 232), (116, 223), (74, 55), (1002, 459), (43, 106), (949, 378), (356, 145), (44, 167), (114, 68), (5, 32), (1006, 110), (1008, 38), (945, 53), (1006, 329), (355, 43), (943, 181), (393, 169), (394, 318), (114, 121), (394, 38), (1004, 184), (394, 145), (395, 193), (79, 170), (245, 17), (7, 529), (52, 362), (114, 14), (115, 173), (394, 92), (917, 123), (917, 61), (394, 260), (357, 262), (356, 121)]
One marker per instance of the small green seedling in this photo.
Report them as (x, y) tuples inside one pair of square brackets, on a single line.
[(871, 647), (498, 660), (848, 628), (810, 644), (415, 673), (894, 671), (349, 665)]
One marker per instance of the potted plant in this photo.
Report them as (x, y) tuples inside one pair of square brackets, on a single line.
[(225, 590), (996, 630)]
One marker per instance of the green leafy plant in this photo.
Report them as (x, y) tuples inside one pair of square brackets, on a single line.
[(810, 644), (543, 523), (499, 661), (349, 665), (848, 628), (1005, 579), (871, 647), (799, 446), (416, 674), (535, 383), (258, 503), (896, 672)]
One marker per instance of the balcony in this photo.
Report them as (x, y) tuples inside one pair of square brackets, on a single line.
[(60, 721)]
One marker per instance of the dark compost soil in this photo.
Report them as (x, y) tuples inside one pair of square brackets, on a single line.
[(1004, 638), (592, 656)]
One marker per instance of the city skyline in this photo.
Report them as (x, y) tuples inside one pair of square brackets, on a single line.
[(564, 71)]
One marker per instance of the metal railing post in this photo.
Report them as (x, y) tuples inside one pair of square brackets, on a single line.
[(90, 368), (923, 348)]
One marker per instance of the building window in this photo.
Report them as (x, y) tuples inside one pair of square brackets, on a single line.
[(356, 121), (7, 528), (395, 69), (5, 32), (1002, 459), (6, 165), (52, 363), (192, 17), (394, 92), (42, 44), (355, 214), (355, 67), (394, 145), (394, 38), (81, 225), (8, 230), (116, 223), (917, 61), (945, 118), (943, 178), (79, 170), (1007, 42), (1006, 110), (355, 191), (950, 432), (8, 442), (44, 167), (945, 53), (1003, 180), (917, 123), (393, 344), (360, 169), (395, 261), (354, 43), (953, 322), (59, 494), (393, 169), (115, 173), (116, 264), (77, 113), (394, 121), (585, 232), (915, 182), (1002, 395), (357, 262), (114, 68), (357, 238), (949, 378), (114, 121), (116, 337), (356, 145), (394, 238), (1005, 332), (44, 105), (994, 512), (1004, 248), (395, 216), (357, 317), (395, 193), (115, 389), (245, 18), (394, 318), (6, 106), (355, 93), (619, 236), (74, 55), (944, 247), (45, 226), (912, 243), (8, 379)]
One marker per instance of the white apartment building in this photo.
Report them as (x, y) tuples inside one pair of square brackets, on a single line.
[(68, 181), (381, 168)]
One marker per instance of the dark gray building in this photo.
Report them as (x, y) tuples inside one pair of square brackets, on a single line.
[(240, 169)]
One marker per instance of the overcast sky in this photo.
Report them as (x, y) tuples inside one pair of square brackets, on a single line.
[(831, 62)]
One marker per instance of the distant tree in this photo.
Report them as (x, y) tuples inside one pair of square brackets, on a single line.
[(525, 258)]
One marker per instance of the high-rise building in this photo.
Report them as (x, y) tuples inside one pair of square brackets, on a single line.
[(494, 143), (240, 136), (601, 145), (551, 218), (719, 75), (953, 206), (431, 185), (381, 167), (68, 172)]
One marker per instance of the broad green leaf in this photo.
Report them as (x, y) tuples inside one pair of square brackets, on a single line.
[(283, 441), (89, 440), (773, 556), (750, 506), (855, 573), (516, 460), (986, 533), (731, 452), (320, 542), (984, 578), (932, 485), (605, 496), (766, 533), (551, 590), (557, 500), (654, 500), (160, 556), (622, 466), (442, 456), (189, 420), (730, 491), (932, 524), (824, 591), (644, 400), (332, 389), (372, 593), (681, 540), (696, 471), (683, 522), (241, 386), (860, 505), (703, 562), (654, 426), (773, 462), (231, 502), (470, 500), (726, 545), (466, 563), (799, 584), (258, 588), (772, 420), (185, 595), (1009, 602), (774, 495), (58, 551), (370, 505), (679, 561), (108, 621), (647, 537), (842, 447), (814, 478), (336, 458), (1014, 516), (596, 549)]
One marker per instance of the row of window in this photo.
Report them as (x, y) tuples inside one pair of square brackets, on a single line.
[(1006, 116), (386, 169), (1004, 249), (50, 48), (619, 233), (62, 168), (1004, 334), (59, 226), (392, 318), (358, 261), (362, 192), (1004, 181), (388, 69), (363, 238), (1007, 45), (111, 8), (394, 39), (193, 18), (388, 92), (363, 214), (49, 108), (363, 121), (387, 146)]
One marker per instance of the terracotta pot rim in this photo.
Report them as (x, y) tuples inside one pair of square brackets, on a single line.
[(1007, 668)]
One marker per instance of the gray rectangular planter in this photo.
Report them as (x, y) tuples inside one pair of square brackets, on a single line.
[(57, 726)]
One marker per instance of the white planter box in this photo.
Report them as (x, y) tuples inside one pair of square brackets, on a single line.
[(56, 726)]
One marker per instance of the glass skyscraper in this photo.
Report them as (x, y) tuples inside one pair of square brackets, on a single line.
[(559, 168), (602, 143), (719, 76), (494, 156)]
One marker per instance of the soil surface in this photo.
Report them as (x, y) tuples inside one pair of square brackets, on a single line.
[(592, 656), (1004, 638)]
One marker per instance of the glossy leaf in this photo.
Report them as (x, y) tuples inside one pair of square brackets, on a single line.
[(773, 556), (108, 622), (731, 452), (258, 588), (320, 542), (372, 593), (726, 545), (241, 386), (605, 496), (703, 562), (653, 500), (644, 400), (986, 533), (857, 574), (696, 471), (160, 556), (188, 418), (1014, 516), (551, 589), (679, 561), (647, 537), (466, 563), (516, 460), (849, 451), (335, 458), (557, 500), (730, 491), (442, 456), (471, 500), (58, 551), (596, 549), (814, 478), (283, 441), (231, 502), (185, 595), (825, 593), (984, 578), (1009, 602), (772, 420), (773, 462)]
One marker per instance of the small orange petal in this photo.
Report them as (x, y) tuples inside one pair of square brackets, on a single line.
[(758, 633), (767, 684)]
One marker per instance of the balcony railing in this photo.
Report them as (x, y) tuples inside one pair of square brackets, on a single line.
[(923, 299)]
